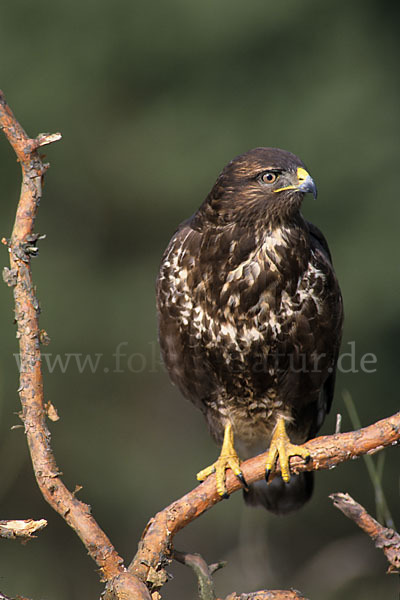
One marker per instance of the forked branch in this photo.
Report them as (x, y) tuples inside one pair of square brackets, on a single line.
[(155, 548), (384, 538), (21, 247), (154, 551)]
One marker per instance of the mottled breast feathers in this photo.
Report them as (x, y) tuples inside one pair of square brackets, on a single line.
[(250, 311)]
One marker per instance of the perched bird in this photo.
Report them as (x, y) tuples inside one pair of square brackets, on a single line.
[(250, 320)]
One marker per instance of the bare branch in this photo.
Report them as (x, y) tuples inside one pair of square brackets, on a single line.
[(21, 248), (206, 585), (155, 547), (21, 529), (202, 572), (3, 597), (384, 538), (126, 586), (268, 595)]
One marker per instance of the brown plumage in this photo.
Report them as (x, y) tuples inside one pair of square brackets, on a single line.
[(250, 312)]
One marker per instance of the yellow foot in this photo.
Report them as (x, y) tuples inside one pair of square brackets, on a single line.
[(280, 446), (228, 459)]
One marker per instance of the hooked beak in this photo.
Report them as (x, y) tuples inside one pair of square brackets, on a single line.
[(306, 182)]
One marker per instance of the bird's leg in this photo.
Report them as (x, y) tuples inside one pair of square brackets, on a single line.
[(228, 459), (281, 446)]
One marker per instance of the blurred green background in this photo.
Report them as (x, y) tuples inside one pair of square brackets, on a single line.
[(153, 99)]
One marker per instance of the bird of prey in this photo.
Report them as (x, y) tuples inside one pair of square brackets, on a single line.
[(250, 319)]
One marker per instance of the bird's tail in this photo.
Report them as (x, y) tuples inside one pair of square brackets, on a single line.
[(280, 497)]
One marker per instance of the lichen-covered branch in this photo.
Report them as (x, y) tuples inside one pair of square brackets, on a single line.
[(326, 452), (384, 538)]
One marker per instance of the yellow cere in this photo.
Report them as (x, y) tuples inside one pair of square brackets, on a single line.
[(301, 176)]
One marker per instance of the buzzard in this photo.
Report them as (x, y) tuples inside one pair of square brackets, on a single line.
[(250, 320)]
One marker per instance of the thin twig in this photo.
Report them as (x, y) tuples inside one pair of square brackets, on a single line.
[(202, 572), (3, 597), (338, 423), (206, 586), (268, 595), (23, 529), (384, 538)]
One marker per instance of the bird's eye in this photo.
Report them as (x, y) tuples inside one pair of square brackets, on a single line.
[(268, 177)]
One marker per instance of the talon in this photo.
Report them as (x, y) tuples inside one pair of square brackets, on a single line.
[(228, 459), (307, 459), (225, 496), (281, 447), (242, 480)]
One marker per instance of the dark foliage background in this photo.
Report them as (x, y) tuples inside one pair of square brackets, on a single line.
[(152, 100)]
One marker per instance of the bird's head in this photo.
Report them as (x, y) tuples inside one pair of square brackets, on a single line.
[(262, 184)]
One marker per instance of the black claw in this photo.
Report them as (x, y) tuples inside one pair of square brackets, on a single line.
[(267, 474), (242, 480), (225, 496), (307, 459)]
